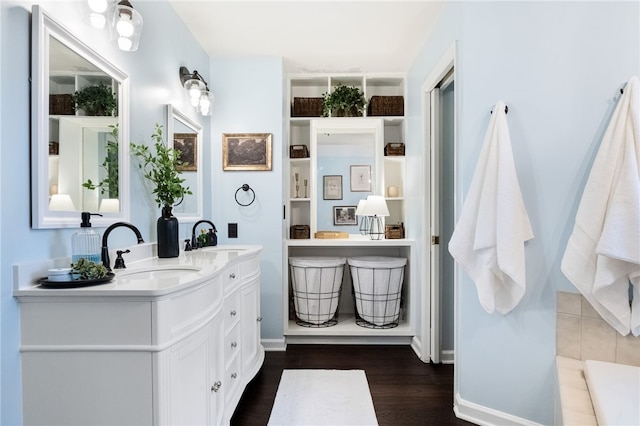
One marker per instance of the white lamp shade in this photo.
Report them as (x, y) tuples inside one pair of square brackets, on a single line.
[(110, 205), (95, 12), (360, 207), (375, 206), (125, 26), (61, 202), (194, 87)]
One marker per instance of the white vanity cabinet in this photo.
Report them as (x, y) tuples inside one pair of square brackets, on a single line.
[(144, 352)]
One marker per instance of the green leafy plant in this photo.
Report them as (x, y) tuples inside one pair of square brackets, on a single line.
[(344, 101), (88, 270), (109, 184), (161, 169), (97, 99)]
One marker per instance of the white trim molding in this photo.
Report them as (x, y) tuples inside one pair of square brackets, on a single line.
[(485, 416)]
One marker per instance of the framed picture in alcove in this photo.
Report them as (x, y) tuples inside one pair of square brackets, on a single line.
[(187, 145), (360, 178), (332, 187), (344, 215)]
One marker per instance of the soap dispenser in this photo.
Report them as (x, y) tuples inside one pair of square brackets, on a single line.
[(212, 238), (85, 244)]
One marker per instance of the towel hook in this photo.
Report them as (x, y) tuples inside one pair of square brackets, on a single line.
[(245, 187), (506, 109)]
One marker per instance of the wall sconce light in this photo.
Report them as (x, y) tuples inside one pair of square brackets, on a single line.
[(196, 87), (125, 26), (376, 207), (95, 12)]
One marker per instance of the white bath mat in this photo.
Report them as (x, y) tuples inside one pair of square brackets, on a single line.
[(323, 397)]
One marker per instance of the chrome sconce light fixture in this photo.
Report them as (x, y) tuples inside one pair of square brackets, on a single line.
[(196, 87), (123, 21)]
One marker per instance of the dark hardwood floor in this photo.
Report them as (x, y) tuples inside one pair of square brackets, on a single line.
[(405, 390)]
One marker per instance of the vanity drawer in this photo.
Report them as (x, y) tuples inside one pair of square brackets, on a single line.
[(230, 278), (233, 378), (231, 310), (232, 343), (249, 267)]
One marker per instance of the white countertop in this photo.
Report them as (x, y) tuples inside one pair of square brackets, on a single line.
[(151, 276)]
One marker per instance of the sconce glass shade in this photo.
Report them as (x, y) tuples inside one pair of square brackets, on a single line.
[(125, 26), (61, 202), (194, 88), (376, 208), (205, 103), (94, 12)]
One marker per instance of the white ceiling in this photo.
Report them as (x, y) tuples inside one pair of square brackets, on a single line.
[(314, 36)]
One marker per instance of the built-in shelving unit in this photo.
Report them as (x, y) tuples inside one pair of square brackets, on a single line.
[(334, 144)]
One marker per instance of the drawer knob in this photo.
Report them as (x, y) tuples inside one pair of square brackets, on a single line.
[(232, 276), (259, 319), (216, 386), (234, 375), (234, 344), (233, 313)]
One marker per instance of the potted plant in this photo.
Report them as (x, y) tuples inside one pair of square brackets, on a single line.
[(161, 169), (108, 185), (97, 99), (344, 101)]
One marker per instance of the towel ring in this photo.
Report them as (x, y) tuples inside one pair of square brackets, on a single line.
[(245, 188)]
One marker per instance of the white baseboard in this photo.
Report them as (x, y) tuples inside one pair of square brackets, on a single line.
[(274, 345), (485, 416), (447, 357)]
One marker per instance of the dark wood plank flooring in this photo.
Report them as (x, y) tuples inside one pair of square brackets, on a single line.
[(405, 391)]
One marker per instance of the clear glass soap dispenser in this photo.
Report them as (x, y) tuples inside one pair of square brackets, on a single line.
[(86, 242)]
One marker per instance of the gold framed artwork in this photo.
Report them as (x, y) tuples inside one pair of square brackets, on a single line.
[(187, 145), (246, 151)]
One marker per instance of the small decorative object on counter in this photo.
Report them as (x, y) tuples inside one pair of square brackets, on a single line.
[(298, 151), (87, 270), (59, 274), (300, 232), (212, 238), (86, 244), (394, 148), (394, 232)]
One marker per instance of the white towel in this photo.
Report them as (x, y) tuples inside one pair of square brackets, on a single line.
[(488, 240), (603, 252)]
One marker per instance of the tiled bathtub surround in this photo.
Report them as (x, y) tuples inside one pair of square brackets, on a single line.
[(582, 334)]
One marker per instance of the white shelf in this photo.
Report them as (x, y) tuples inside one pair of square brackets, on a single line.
[(347, 326)]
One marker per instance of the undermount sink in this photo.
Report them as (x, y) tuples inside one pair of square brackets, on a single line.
[(157, 272), (220, 249)]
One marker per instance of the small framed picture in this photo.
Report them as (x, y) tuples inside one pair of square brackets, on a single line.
[(246, 151), (187, 145), (332, 187), (360, 178), (344, 215)]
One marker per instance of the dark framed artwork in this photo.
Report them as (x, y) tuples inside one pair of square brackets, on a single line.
[(344, 215), (332, 187), (246, 151), (360, 178), (187, 145)]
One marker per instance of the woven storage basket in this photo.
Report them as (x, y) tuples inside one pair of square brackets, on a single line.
[(298, 151), (307, 107), (394, 148), (300, 232), (61, 105), (394, 232), (386, 105)]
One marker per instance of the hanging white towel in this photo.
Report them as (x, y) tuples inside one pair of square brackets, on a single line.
[(488, 240), (603, 253)]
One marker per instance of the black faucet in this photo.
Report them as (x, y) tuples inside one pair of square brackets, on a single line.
[(194, 242), (105, 249)]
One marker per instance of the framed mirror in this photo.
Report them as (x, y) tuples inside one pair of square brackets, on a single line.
[(185, 135), (79, 115)]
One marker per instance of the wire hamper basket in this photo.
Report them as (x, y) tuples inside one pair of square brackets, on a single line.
[(316, 284), (377, 286)]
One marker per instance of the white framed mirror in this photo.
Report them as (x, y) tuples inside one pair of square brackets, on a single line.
[(79, 161), (185, 135)]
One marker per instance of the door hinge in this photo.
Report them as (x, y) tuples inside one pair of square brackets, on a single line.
[(435, 239)]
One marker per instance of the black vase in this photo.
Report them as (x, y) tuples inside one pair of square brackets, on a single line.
[(167, 228)]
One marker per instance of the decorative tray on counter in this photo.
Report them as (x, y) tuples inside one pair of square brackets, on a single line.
[(46, 283)]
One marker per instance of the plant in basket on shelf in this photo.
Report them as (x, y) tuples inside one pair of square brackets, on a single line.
[(344, 101), (161, 169), (98, 99)]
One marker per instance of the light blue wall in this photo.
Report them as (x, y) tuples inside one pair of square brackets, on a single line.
[(165, 45), (558, 66), (249, 100)]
